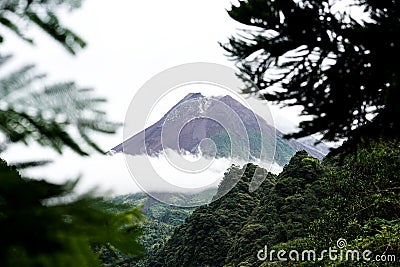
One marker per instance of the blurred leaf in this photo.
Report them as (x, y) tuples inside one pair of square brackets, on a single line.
[(57, 116), (17, 15), (30, 164), (43, 224)]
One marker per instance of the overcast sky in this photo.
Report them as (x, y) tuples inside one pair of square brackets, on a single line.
[(128, 43)]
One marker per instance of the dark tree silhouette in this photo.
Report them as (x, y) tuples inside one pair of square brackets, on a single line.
[(339, 61), (43, 224)]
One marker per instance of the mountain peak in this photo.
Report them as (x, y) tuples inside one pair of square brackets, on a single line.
[(227, 97), (199, 120), (192, 96)]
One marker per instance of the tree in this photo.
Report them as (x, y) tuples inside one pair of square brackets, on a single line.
[(43, 224), (342, 68), (211, 230), (283, 212), (361, 198)]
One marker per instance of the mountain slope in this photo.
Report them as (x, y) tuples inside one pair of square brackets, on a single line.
[(236, 131)]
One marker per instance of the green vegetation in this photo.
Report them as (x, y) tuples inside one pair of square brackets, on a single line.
[(361, 197), (257, 145), (310, 205), (43, 224), (161, 219), (228, 228), (284, 213), (209, 232)]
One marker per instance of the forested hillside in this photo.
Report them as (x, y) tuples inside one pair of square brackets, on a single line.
[(160, 221), (310, 205), (211, 229)]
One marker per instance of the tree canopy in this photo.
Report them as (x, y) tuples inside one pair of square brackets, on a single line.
[(338, 60), (309, 205)]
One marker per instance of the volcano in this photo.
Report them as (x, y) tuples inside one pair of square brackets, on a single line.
[(217, 127)]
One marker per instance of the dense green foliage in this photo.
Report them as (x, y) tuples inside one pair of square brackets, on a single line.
[(43, 224), (310, 205), (362, 200), (208, 233), (161, 218), (284, 212), (317, 54)]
